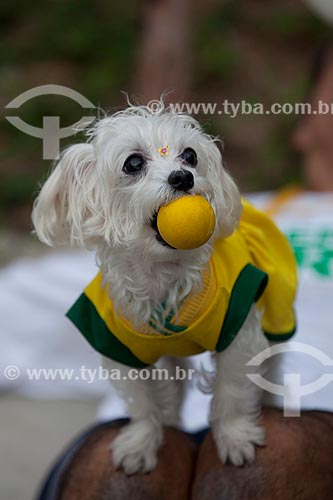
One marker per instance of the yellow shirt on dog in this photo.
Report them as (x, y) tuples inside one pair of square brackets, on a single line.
[(254, 264)]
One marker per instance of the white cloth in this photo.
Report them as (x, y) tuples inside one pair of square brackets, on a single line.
[(35, 294), (34, 297), (322, 7)]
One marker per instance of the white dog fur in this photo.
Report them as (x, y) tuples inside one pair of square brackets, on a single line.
[(89, 201)]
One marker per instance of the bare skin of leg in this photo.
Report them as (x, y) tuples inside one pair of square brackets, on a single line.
[(296, 464), (92, 476)]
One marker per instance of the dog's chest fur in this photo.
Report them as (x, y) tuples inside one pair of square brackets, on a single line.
[(139, 287)]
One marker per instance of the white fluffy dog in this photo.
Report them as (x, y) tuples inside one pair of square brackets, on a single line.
[(103, 195)]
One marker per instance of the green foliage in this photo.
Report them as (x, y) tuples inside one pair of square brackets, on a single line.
[(83, 44), (16, 188), (293, 26), (215, 58), (90, 46)]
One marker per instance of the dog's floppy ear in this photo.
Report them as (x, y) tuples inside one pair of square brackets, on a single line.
[(66, 210), (227, 197)]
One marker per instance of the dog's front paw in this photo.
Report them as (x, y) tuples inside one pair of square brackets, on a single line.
[(236, 439), (135, 448)]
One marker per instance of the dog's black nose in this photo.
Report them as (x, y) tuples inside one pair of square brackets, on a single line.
[(182, 180)]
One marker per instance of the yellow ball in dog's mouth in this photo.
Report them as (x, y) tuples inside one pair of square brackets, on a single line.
[(186, 223)]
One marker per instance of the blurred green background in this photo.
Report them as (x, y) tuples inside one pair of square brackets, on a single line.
[(254, 50)]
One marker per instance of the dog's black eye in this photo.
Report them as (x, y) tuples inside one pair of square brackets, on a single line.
[(190, 157), (134, 164)]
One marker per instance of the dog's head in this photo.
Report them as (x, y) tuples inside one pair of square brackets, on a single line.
[(107, 191)]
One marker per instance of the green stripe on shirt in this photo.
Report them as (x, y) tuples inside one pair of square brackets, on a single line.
[(85, 316)]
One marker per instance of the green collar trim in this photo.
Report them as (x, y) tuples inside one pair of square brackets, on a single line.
[(170, 328), (167, 328)]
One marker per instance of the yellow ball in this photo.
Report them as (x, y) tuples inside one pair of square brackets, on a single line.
[(186, 223)]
